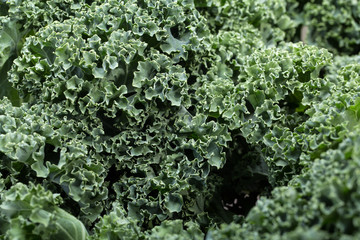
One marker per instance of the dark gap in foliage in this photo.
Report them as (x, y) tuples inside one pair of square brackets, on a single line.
[(249, 107), (329, 223), (51, 155), (82, 93), (148, 122), (211, 118), (160, 104), (192, 110), (85, 36), (113, 176), (186, 64), (194, 102), (123, 24), (175, 32), (99, 64), (139, 106), (152, 134), (107, 26), (4, 173), (131, 141), (129, 94), (356, 49), (182, 63), (216, 28), (203, 69), (244, 178), (334, 42), (235, 76), (240, 204), (90, 228), (172, 145), (283, 217), (4, 9), (141, 4), (68, 204), (192, 93), (155, 211), (301, 5), (148, 224), (304, 77), (322, 72), (137, 173), (102, 35), (201, 4), (61, 97), (292, 103), (349, 227), (89, 2), (108, 124), (297, 35), (197, 183), (191, 80), (153, 222), (151, 42), (170, 123), (128, 173), (25, 175), (154, 193), (189, 153), (326, 201), (256, 21), (156, 168)]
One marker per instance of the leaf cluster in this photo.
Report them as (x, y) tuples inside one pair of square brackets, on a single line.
[(161, 119)]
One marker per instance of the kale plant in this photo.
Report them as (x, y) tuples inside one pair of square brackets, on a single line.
[(179, 119)]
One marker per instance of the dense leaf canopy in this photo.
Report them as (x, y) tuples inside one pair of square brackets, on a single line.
[(179, 119)]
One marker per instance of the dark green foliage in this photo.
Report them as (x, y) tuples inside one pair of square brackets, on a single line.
[(332, 24), (180, 119)]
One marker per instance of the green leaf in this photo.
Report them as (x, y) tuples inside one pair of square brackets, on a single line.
[(174, 202), (42, 215), (69, 227), (10, 38)]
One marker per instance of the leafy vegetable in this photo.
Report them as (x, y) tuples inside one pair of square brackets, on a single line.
[(178, 119), (33, 213)]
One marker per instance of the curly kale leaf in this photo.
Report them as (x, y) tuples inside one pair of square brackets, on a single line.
[(33, 213)]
